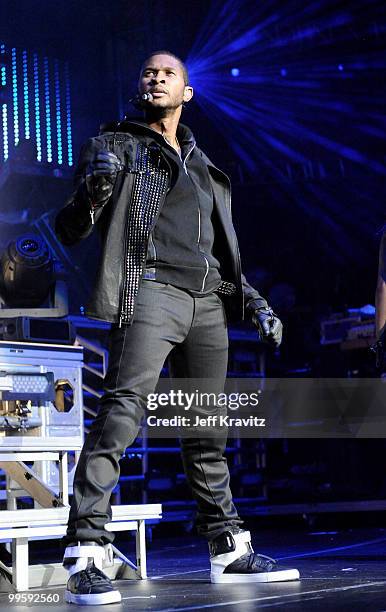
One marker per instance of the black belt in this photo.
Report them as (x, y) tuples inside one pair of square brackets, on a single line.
[(225, 287)]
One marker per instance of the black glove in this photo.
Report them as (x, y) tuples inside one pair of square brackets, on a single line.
[(101, 176), (268, 325)]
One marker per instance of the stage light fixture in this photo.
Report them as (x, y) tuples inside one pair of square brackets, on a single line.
[(33, 294), (27, 272)]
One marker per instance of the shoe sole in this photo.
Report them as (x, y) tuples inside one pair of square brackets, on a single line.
[(279, 576), (93, 600)]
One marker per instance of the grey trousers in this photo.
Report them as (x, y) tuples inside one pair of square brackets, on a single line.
[(192, 334)]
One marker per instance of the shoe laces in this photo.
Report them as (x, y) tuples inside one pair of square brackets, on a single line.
[(91, 575)]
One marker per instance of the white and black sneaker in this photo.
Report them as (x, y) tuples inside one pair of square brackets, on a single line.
[(87, 584), (232, 560)]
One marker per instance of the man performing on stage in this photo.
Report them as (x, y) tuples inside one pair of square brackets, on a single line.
[(169, 280)]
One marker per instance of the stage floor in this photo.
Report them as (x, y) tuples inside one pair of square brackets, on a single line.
[(344, 570)]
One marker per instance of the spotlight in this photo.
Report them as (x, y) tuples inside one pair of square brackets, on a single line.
[(341, 67), (235, 72), (283, 72), (33, 293), (27, 272)]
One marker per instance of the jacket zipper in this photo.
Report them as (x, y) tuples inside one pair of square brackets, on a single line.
[(199, 214), (186, 158), (153, 245), (198, 242), (199, 222)]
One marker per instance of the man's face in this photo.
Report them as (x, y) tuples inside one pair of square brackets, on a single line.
[(163, 77)]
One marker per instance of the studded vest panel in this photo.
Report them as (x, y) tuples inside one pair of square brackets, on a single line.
[(151, 183)]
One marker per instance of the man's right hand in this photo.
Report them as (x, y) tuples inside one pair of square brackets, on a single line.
[(101, 176)]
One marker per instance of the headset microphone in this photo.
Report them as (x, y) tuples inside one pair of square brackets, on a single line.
[(140, 99)]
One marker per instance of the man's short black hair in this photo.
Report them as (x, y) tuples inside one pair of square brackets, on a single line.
[(179, 60)]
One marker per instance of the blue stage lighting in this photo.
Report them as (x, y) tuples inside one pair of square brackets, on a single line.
[(26, 96), (235, 72), (38, 105), (15, 99), (48, 109), (58, 113), (3, 72), (68, 114), (4, 114), (293, 118), (37, 108)]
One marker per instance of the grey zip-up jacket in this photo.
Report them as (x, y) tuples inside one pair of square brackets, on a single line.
[(126, 221)]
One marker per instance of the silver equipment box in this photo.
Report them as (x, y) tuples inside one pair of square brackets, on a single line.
[(40, 424)]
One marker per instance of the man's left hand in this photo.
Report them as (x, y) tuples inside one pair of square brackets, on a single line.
[(268, 325)]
